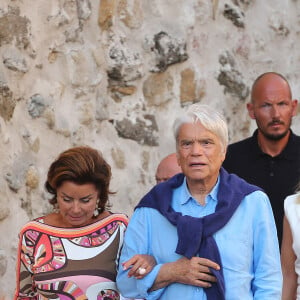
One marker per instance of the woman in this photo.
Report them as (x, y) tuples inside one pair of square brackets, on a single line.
[(72, 253), (290, 248)]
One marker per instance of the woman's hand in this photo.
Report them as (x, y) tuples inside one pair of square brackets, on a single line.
[(139, 265)]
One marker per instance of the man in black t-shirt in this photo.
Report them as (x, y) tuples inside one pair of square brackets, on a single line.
[(270, 158)]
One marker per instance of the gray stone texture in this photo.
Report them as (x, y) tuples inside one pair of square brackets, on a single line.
[(114, 74), (168, 51), (139, 130)]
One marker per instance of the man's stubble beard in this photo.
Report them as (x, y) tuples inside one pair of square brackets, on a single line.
[(274, 136)]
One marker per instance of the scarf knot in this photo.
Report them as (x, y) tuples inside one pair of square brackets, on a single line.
[(195, 227)]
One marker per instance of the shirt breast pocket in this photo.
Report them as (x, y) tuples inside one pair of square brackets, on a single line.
[(236, 253)]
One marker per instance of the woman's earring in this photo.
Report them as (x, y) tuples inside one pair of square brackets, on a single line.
[(56, 208), (96, 211)]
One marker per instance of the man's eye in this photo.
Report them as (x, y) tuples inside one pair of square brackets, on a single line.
[(186, 143), (207, 142), (282, 104)]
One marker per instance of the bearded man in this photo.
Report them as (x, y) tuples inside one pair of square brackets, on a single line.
[(270, 158)]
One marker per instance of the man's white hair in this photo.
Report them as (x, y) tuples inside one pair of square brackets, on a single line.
[(211, 119)]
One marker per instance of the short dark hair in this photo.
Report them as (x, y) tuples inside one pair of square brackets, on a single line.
[(80, 165)]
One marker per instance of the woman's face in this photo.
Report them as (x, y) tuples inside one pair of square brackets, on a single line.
[(77, 203)]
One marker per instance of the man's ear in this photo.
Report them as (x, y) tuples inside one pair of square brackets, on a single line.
[(250, 110), (295, 107)]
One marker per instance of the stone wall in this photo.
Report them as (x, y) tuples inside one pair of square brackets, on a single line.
[(113, 74)]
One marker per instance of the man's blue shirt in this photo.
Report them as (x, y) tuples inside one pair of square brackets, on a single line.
[(247, 244)]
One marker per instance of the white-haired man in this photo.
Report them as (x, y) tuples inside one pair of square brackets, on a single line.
[(212, 234)]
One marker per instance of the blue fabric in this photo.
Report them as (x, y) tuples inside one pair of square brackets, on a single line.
[(195, 235), (247, 244)]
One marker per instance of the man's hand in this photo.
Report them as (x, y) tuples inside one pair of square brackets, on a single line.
[(194, 271)]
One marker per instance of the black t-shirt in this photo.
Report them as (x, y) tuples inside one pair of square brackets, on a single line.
[(278, 176)]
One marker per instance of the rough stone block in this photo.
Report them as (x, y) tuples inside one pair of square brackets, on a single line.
[(106, 13), (168, 51), (158, 88), (139, 130), (187, 86)]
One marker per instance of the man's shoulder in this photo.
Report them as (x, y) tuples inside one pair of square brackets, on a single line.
[(239, 154), (242, 144), (295, 138)]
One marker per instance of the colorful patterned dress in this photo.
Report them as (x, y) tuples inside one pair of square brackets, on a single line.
[(70, 263)]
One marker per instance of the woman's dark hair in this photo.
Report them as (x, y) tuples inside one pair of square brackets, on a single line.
[(80, 165)]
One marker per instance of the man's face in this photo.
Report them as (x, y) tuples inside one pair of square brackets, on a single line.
[(199, 152), (272, 107), (167, 168)]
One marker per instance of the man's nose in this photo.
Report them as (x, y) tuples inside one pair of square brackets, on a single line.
[(275, 111), (197, 148)]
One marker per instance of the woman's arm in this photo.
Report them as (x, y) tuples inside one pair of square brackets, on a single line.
[(288, 259), (139, 265), (24, 285)]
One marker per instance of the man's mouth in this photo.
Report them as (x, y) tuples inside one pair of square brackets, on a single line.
[(196, 164), (276, 123)]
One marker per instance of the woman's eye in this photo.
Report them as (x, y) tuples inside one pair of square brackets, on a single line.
[(67, 199), (86, 200)]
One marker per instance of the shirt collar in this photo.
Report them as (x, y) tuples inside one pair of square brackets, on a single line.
[(255, 147), (185, 194)]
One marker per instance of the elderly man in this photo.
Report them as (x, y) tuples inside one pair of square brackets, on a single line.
[(167, 168), (270, 158), (212, 234)]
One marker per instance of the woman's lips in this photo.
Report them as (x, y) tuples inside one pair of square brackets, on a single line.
[(75, 217)]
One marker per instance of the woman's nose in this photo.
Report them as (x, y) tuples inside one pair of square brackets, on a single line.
[(76, 206)]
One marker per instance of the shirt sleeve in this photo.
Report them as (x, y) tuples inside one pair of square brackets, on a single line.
[(137, 241), (267, 282), (25, 289)]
